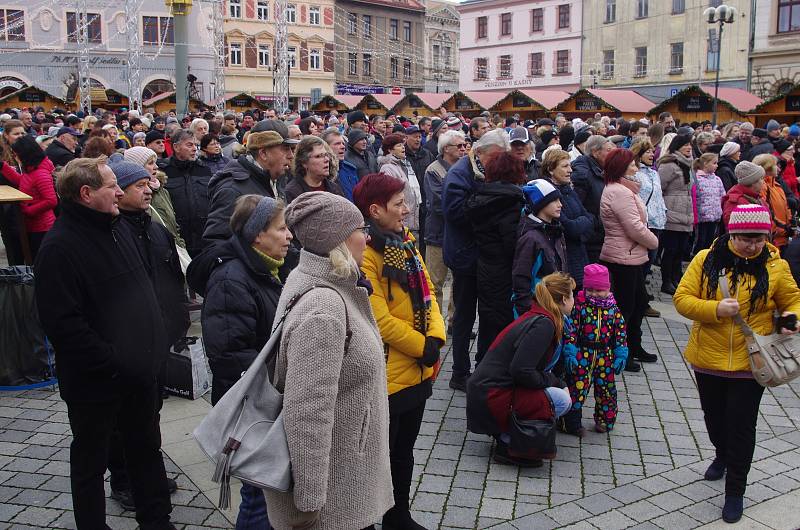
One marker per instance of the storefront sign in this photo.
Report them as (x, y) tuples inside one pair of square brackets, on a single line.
[(32, 96), (464, 104), (695, 104), (114, 99), (792, 103), (93, 61), (587, 103), (11, 83), (358, 90), (240, 102)]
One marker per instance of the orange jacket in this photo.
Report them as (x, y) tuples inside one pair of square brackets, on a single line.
[(779, 208)]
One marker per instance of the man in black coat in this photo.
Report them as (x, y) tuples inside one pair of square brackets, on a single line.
[(420, 159), (62, 149), (587, 178), (359, 154), (98, 306), (157, 250), (261, 172), (187, 184)]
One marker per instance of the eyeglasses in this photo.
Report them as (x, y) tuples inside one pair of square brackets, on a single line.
[(459, 146), (364, 229), (320, 156)]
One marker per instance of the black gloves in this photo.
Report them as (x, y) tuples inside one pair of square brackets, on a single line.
[(430, 353)]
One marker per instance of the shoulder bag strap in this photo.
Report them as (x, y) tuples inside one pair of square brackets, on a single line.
[(749, 338)]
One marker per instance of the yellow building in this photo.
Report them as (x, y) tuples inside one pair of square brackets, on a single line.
[(250, 49), (659, 47)]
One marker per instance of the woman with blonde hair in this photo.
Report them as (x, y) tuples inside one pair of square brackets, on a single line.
[(332, 372), (515, 376), (88, 124)]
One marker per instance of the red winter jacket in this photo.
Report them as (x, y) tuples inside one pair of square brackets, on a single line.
[(738, 195), (38, 183)]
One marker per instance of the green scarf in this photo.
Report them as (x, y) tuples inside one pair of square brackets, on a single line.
[(272, 264)]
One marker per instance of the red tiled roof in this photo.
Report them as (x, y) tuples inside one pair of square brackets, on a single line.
[(741, 100), (485, 100), (623, 100), (546, 98)]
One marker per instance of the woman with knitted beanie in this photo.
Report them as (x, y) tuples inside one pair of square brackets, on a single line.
[(410, 324), (332, 372), (674, 170), (759, 284)]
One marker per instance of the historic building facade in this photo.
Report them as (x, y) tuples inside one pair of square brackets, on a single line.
[(775, 52), (380, 46), (39, 48), (441, 47), (658, 47), (250, 49), (508, 44)]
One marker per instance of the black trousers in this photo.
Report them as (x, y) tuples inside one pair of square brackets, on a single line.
[(730, 409), (465, 301), (135, 415), (630, 291), (403, 431)]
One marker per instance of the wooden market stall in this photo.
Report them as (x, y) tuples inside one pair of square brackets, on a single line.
[(340, 103), (586, 102), (166, 101), (696, 103), (111, 100), (472, 103), (242, 102), (33, 97), (423, 103), (529, 104), (783, 108)]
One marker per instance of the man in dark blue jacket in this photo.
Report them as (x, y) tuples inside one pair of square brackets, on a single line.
[(587, 178), (461, 252), (98, 306)]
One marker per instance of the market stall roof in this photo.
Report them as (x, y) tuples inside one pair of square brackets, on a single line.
[(432, 100), (622, 100), (759, 107), (484, 100), (25, 90), (546, 99), (348, 101), (735, 99), (157, 98), (388, 100)]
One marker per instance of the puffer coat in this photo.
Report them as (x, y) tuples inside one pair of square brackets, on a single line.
[(625, 220), (718, 343)]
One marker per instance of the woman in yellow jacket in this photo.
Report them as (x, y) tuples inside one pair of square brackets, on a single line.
[(760, 285), (410, 323)]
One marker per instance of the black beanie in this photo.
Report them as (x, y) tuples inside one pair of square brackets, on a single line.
[(679, 141)]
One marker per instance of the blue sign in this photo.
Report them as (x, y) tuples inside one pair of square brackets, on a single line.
[(673, 92), (349, 89)]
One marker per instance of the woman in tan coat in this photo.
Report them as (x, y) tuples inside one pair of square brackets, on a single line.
[(332, 372)]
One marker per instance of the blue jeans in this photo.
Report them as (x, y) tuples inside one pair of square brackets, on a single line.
[(561, 399), (252, 510)]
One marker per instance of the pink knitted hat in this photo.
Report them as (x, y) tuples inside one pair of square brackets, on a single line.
[(750, 219), (595, 276)]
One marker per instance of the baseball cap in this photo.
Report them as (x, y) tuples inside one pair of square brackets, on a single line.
[(412, 130), (67, 130), (520, 134)]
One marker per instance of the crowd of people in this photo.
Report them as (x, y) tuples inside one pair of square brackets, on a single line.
[(550, 230)]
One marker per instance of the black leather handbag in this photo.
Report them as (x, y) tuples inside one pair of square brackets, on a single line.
[(532, 437)]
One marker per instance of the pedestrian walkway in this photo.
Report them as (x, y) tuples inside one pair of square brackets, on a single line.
[(645, 474)]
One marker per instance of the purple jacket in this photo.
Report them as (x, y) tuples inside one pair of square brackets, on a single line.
[(710, 192)]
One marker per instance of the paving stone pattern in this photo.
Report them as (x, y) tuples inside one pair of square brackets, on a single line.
[(645, 474)]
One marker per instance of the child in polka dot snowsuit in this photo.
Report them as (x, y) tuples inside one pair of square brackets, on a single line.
[(599, 353)]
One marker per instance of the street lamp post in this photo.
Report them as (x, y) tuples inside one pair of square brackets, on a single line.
[(721, 15)]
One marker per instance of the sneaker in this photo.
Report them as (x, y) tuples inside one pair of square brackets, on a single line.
[(650, 312), (125, 499), (644, 357), (458, 382), (732, 511), (715, 471)]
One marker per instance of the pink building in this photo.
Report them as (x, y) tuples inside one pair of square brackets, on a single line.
[(508, 44)]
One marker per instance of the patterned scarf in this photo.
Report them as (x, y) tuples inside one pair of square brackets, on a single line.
[(603, 303), (401, 264)]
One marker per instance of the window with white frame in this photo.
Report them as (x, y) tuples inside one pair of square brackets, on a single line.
[(352, 23), (608, 64), (407, 31), (536, 64), (292, 56), (262, 10), (291, 13), (313, 16), (367, 65), (235, 8), (314, 59), (13, 25), (352, 64), (640, 65), (264, 55), (562, 62), (642, 8), (481, 68), (235, 54), (367, 26), (611, 11), (394, 26), (406, 68), (393, 68), (676, 58)]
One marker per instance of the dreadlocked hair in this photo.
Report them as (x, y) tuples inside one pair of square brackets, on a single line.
[(721, 259)]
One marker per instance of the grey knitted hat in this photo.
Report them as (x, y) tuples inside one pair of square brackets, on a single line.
[(128, 173), (322, 220), (139, 155), (259, 218), (772, 125), (748, 173)]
